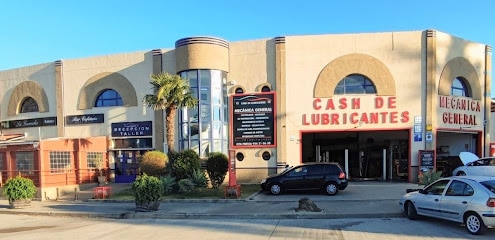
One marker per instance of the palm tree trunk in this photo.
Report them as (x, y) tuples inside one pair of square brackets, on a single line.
[(170, 113)]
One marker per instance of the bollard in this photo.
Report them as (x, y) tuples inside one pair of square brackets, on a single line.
[(57, 195), (75, 194)]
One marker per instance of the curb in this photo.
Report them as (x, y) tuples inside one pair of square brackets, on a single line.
[(153, 215)]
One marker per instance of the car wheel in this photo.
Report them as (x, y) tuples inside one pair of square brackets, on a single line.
[(461, 174), (474, 224), (275, 189), (411, 211), (331, 188)]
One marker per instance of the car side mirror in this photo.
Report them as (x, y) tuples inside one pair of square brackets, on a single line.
[(422, 191)]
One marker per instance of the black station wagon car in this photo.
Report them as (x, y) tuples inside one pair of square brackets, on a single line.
[(328, 177)]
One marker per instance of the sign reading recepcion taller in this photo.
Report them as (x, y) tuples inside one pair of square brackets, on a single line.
[(253, 121)]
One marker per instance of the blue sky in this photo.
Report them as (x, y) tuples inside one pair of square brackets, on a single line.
[(36, 31)]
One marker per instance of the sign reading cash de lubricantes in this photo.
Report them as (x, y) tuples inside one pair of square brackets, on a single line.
[(253, 120)]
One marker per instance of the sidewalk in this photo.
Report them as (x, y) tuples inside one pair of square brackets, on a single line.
[(360, 199)]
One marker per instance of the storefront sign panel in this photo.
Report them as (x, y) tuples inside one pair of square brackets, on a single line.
[(34, 122), (84, 119), (253, 120), (132, 129), (426, 160)]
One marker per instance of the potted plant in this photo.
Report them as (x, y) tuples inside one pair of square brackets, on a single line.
[(19, 191), (426, 178), (147, 192)]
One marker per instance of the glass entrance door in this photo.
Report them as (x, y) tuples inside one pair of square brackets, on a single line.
[(126, 166)]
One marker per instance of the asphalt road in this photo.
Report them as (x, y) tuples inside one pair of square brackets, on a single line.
[(41, 227)]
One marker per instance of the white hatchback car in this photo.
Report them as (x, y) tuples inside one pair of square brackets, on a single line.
[(475, 166), (465, 199)]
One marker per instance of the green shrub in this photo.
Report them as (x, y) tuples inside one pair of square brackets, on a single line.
[(217, 166), (186, 185), (146, 189), (428, 177), (168, 182), (19, 188), (185, 163), (153, 163), (199, 178)]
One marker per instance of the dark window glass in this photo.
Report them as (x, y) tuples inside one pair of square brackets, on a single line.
[(239, 156), (133, 143), (332, 169), (108, 98), (436, 188), (459, 88), (266, 155), (458, 188), (316, 169), (355, 84), (29, 105), (490, 185), (239, 90)]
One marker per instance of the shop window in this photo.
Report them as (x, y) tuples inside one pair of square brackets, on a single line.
[(459, 88), (93, 158), (355, 84), (127, 143), (109, 98), (29, 105), (60, 162), (24, 162), (201, 125)]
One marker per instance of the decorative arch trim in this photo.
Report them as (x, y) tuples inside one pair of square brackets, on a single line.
[(233, 88), (100, 82), (22, 91), (459, 67), (357, 63)]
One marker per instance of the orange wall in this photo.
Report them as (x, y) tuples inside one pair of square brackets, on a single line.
[(78, 173)]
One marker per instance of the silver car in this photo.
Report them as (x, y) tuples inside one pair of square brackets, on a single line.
[(465, 199), (475, 166)]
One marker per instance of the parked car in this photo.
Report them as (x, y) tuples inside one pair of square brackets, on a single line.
[(328, 177), (465, 199), (475, 166)]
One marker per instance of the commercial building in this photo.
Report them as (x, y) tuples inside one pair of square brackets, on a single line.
[(384, 105)]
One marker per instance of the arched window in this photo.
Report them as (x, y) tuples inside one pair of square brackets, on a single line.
[(108, 98), (29, 105), (239, 90), (459, 88), (265, 89), (355, 84)]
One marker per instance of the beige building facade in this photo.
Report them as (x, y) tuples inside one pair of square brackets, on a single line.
[(386, 106)]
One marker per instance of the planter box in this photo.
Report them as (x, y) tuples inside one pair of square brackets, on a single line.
[(148, 207)]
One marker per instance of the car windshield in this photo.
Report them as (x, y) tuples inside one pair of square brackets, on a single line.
[(490, 185), (287, 169)]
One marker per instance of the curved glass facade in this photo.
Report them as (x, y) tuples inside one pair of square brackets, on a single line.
[(205, 127)]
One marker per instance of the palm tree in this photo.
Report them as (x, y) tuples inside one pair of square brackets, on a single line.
[(171, 92)]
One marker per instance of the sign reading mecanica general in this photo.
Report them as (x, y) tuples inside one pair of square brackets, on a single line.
[(460, 110), (253, 120)]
